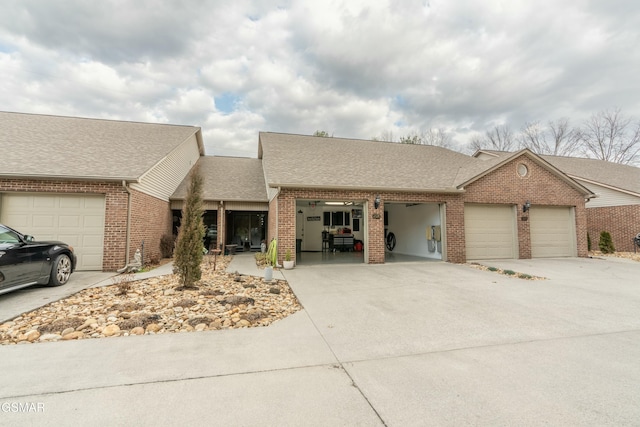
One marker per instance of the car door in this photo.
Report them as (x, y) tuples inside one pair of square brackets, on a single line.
[(20, 262)]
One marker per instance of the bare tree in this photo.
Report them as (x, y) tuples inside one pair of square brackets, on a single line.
[(557, 138), (437, 137), (609, 135), (385, 135), (500, 138)]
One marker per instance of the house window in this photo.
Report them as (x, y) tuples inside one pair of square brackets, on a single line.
[(523, 170)]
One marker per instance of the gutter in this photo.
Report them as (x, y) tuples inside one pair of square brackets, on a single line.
[(127, 246), (376, 189), (69, 177)]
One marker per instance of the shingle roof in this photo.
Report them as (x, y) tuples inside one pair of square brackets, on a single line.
[(624, 177), (308, 161), (228, 179), (33, 145)]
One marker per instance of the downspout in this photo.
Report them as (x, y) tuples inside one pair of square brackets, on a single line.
[(277, 213), (126, 256)]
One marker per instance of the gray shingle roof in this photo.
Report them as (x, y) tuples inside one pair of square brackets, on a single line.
[(624, 177), (308, 161), (33, 145), (228, 179)]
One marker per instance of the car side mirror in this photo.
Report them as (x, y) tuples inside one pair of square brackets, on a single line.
[(28, 238)]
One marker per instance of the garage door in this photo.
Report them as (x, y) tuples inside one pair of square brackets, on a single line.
[(490, 231), (74, 219), (552, 232)]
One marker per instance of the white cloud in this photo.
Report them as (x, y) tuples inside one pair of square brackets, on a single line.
[(353, 68)]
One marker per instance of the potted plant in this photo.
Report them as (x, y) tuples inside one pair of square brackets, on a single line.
[(272, 254), (288, 262)]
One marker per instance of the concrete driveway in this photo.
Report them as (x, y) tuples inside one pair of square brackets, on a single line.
[(397, 344)]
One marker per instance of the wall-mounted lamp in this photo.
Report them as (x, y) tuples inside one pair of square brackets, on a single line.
[(300, 211), (376, 202), (526, 206)]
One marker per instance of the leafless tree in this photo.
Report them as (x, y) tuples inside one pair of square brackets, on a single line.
[(499, 138), (433, 136), (558, 138), (385, 135), (609, 135), (438, 137)]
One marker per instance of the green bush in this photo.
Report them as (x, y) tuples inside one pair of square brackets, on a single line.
[(606, 244), (492, 269), (525, 276), (509, 272)]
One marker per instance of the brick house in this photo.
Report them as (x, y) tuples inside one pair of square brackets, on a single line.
[(437, 203), (102, 186), (616, 205)]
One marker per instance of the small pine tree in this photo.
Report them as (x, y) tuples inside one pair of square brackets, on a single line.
[(606, 243), (189, 247)]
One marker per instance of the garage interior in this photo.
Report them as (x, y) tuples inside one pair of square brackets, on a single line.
[(413, 231), (330, 232)]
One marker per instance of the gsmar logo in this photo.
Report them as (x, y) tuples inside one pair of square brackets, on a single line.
[(22, 407)]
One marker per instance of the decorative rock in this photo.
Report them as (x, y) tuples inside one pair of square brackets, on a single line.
[(274, 290), (138, 330), (112, 319), (153, 327), (73, 335), (201, 327), (111, 330), (32, 335), (216, 324), (67, 331), (50, 337), (244, 322)]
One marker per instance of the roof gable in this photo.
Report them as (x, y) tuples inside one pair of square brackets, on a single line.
[(473, 174), (41, 146)]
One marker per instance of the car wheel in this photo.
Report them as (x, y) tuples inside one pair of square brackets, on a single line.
[(61, 270)]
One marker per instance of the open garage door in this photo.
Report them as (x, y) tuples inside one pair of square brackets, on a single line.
[(490, 231), (552, 232), (74, 219)]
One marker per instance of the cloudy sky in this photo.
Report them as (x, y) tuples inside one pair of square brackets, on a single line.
[(352, 68)]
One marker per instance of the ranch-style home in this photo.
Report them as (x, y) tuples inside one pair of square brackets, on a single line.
[(107, 187)]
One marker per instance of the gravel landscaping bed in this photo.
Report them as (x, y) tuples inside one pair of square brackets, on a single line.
[(154, 306)]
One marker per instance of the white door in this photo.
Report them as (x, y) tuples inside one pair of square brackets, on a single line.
[(552, 232), (74, 219), (490, 231)]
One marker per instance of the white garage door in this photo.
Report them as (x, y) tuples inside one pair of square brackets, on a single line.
[(552, 232), (74, 219), (490, 231)]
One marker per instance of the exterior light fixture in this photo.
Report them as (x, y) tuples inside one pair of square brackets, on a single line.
[(526, 206), (376, 202)]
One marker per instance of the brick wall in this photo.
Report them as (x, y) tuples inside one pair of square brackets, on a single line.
[(622, 222), (150, 220), (539, 187), (116, 200)]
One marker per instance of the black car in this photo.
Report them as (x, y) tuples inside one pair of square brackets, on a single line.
[(25, 262)]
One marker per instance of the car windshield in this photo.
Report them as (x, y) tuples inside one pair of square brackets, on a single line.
[(8, 236)]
